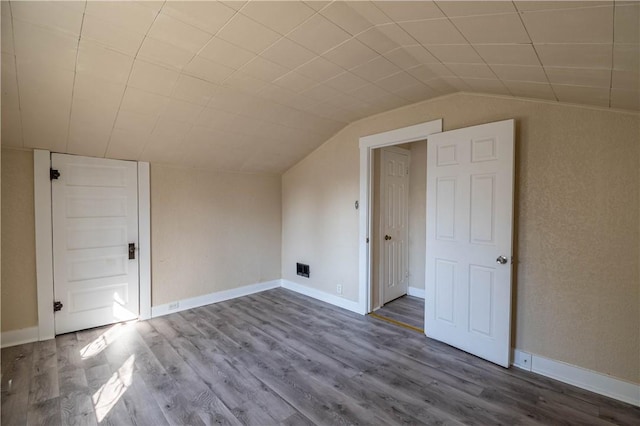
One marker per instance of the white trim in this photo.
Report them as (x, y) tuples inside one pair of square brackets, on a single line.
[(416, 292), (413, 133), (44, 243), (19, 337), (581, 377), (322, 296), (144, 240), (207, 299), (521, 359)]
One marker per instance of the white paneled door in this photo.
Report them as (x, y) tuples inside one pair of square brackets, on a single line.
[(470, 177), (95, 240), (394, 219)]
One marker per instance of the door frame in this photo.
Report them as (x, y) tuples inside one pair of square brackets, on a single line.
[(44, 242), (402, 135)]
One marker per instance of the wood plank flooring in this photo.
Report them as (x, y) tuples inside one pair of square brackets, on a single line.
[(277, 358), (406, 309)]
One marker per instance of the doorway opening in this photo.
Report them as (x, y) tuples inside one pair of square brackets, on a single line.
[(398, 237), (469, 229), (368, 145), (406, 312)]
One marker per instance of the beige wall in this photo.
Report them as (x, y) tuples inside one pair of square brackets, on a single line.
[(320, 222), (578, 286), (212, 231), (19, 306), (417, 213)]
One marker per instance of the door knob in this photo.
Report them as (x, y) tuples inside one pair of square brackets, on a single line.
[(132, 250), (387, 237), (501, 260)]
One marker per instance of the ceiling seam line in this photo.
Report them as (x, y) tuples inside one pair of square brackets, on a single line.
[(315, 12), (544, 70), (375, 26), (126, 85), (311, 60), (185, 23), (182, 73), (75, 73), (15, 68), (258, 94), (235, 13), (477, 53), (438, 77), (317, 83), (613, 51)]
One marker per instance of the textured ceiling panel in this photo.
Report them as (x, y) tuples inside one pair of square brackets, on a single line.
[(255, 86)]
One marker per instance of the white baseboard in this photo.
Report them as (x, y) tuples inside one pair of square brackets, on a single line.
[(18, 337), (521, 359), (338, 301), (416, 292), (580, 377), (207, 299)]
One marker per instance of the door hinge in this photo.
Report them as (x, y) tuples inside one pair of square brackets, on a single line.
[(54, 174), (57, 306)]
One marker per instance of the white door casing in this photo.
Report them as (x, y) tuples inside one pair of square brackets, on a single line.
[(394, 223), (416, 132), (95, 217), (470, 179)]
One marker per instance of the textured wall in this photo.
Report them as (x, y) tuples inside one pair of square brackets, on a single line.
[(417, 213), (212, 231), (19, 306), (578, 286), (320, 222)]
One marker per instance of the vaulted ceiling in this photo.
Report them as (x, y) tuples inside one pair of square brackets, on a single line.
[(255, 86)]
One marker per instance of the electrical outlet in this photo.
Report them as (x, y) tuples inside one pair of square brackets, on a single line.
[(339, 289), (173, 306), (522, 360)]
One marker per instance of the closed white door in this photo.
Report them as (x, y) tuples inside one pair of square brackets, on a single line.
[(394, 268), (469, 239), (95, 219)]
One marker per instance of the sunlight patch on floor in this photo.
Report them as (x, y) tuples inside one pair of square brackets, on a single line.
[(101, 342), (110, 393)]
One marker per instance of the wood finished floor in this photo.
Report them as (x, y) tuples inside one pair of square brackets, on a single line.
[(277, 358), (405, 309)]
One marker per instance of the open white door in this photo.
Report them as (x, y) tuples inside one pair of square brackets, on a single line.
[(469, 239), (95, 224), (394, 223)]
